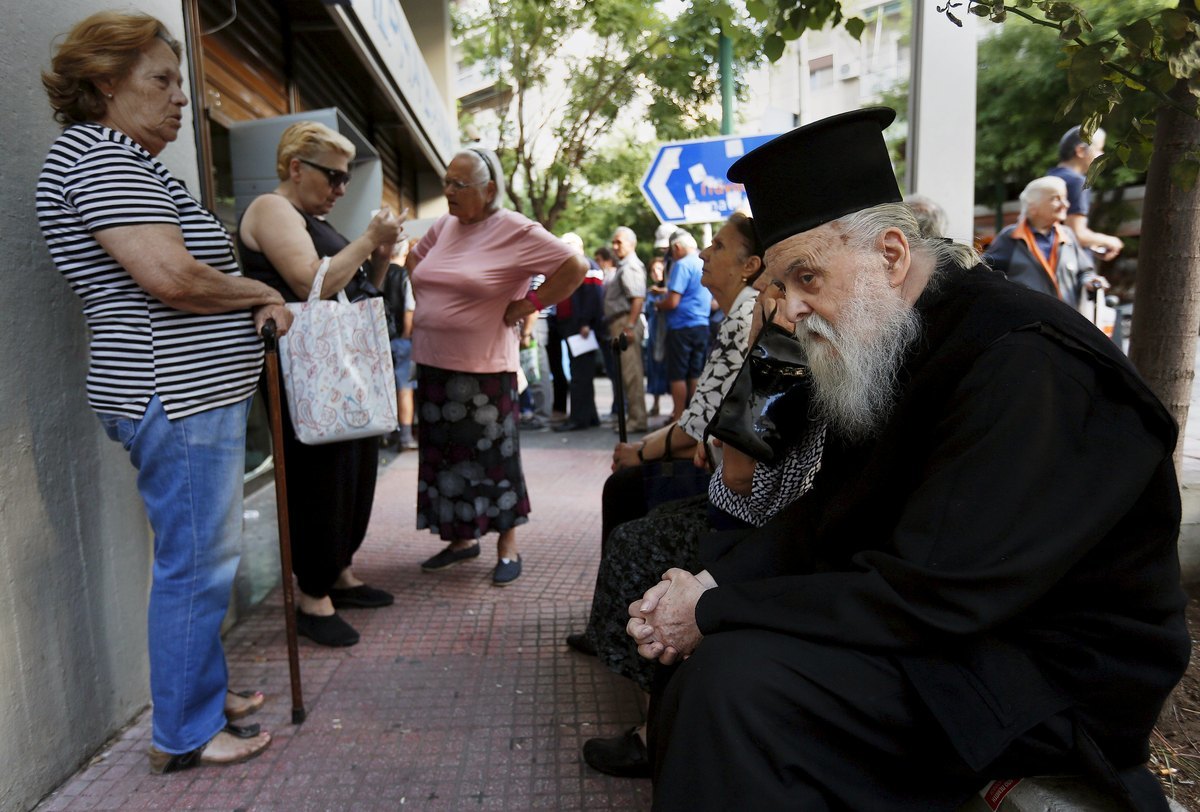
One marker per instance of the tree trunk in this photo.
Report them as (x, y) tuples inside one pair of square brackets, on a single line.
[(1166, 318)]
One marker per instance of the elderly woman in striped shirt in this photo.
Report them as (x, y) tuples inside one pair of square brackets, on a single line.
[(175, 356)]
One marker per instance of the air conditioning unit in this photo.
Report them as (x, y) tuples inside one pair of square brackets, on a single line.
[(848, 70)]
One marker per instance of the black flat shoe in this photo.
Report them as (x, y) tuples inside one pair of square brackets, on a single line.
[(361, 597), (569, 426), (449, 557), (506, 572), (325, 630), (622, 756), (243, 731), (581, 643)]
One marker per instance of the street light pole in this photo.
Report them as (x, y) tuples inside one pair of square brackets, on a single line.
[(726, 56), (726, 63)]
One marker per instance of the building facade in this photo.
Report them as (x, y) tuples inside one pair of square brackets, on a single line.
[(828, 71)]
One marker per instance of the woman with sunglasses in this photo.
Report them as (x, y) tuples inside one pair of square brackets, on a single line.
[(471, 274), (282, 239)]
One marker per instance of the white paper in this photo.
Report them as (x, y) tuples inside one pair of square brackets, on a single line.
[(578, 345)]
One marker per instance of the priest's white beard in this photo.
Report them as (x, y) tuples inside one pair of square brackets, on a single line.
[(854, 369)]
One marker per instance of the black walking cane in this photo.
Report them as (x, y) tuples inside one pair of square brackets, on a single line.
[(618, 346), (281, 511)]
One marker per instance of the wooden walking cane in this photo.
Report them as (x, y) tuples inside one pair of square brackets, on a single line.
[(281, 511), (618, 346)]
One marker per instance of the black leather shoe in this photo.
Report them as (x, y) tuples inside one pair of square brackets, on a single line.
[(325, 630), (243, 731), (361, 597), (569, 426), (581, 643), (622, 756), (449, 557)]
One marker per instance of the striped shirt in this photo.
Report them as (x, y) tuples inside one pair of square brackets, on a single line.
[(96, 178)]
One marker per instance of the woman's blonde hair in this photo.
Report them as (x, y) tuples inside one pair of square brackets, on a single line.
[(106, 45), (307, 139)]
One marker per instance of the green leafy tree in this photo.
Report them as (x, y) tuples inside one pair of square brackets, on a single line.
[(615, 52), (897, 99), (1155, 57), (1111, 77), (609, 197), (1020, 91)]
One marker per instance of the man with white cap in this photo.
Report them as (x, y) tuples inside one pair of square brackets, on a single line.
[(971, 589)]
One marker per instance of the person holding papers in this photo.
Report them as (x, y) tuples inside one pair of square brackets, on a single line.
[(730, 266), (581, 322)]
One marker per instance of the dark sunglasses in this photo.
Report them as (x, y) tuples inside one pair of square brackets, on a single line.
[(336, 177)]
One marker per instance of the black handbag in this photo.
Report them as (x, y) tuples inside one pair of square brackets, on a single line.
[(766, 407), (360, 287)]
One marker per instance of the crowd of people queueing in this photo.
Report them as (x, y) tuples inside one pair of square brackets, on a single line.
[(666, 314), (928, 585)]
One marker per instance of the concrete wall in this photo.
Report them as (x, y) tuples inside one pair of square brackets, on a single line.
[(430, 23), (941, 117), (75, 548)]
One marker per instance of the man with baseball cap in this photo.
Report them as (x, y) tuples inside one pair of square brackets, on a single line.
[(1075, 158), (982, 581)]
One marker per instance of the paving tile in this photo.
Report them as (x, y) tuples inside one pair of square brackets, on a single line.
[(460, 695)]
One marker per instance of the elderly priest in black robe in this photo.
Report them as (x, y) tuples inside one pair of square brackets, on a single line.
[(983, 581)]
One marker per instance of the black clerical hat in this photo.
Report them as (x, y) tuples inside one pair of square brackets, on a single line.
[(818, 173)]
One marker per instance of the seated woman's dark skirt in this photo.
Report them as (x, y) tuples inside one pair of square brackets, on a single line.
[(639, 553)]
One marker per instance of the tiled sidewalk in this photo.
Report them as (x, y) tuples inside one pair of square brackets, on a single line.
[(461, 696)]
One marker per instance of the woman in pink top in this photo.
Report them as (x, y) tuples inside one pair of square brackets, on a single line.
[(470, 275)]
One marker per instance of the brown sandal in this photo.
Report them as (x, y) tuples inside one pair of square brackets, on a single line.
[(233, 714), (162, 763)]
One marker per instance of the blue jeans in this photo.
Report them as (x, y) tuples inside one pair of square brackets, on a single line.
[(190, 478), (402, 363)]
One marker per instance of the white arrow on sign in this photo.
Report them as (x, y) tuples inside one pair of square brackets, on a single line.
[(658, 183)]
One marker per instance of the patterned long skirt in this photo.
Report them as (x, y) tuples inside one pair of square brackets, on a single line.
[(470, 480)]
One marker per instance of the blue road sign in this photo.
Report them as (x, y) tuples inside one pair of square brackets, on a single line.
[(687, 182)]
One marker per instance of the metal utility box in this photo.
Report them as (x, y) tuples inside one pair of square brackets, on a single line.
[(252, 145)]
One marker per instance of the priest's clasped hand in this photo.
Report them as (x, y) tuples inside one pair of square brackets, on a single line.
[(663, 622)]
